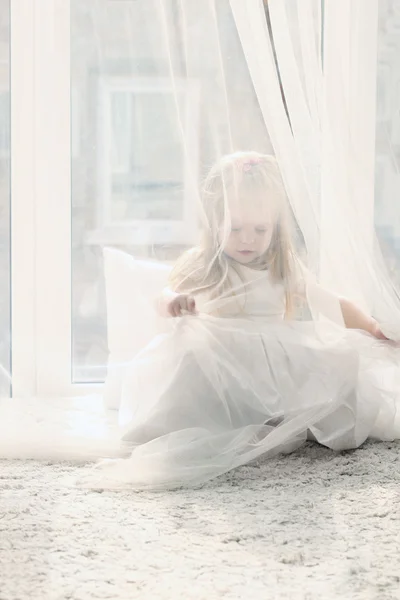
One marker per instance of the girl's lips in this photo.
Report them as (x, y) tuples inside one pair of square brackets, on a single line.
[(246, 251)]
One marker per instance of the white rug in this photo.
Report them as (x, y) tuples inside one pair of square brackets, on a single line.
[(311, 525)]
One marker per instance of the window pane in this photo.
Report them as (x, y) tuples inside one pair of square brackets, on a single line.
[(138, 191), (387, 174), (152, 106), (5, 320), (128, 171)]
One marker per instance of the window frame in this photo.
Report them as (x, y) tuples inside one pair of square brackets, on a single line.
[(40, 173), (41, 228), (152, 231)]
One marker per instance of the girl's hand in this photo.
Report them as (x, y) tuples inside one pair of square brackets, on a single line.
[(180, 304), (377, 333)]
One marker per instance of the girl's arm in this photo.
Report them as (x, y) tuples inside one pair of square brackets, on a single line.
[(340, 310), (355, 318), (334, 308)]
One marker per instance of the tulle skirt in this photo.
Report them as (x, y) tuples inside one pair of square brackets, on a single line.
[(213, 394)]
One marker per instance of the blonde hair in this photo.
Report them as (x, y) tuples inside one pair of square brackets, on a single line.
[(240, 176)]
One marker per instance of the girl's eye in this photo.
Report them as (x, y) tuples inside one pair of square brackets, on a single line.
[(235, 229), (261, 230)]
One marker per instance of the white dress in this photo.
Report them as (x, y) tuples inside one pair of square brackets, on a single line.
[(214, 393)]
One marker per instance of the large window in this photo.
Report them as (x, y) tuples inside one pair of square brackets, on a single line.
[(116, 112)]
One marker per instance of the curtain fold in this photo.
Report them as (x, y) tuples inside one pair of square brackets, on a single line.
[(325, 144)]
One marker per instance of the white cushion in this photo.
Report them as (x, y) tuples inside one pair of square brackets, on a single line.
[(132, 287)]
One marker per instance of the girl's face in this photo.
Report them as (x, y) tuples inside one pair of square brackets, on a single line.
[(249, 233)]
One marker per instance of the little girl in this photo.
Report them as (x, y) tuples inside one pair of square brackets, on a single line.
[(238, 374)]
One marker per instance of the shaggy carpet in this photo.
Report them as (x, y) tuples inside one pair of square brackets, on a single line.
[(314, 524)]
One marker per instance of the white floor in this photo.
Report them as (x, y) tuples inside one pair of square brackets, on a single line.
[(311, 525)]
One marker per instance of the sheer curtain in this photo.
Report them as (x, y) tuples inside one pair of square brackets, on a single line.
[(323, 133), (293, 128)]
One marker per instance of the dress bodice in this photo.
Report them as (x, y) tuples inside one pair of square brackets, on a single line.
[(253, 295)]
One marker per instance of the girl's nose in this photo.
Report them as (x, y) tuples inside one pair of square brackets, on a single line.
[(247, 237)]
